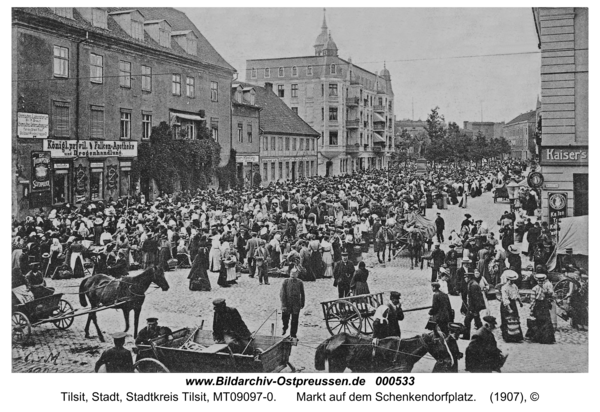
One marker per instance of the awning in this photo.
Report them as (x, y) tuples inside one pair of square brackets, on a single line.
[(378, 118), (189, 116), (378, 139), (573, 234)]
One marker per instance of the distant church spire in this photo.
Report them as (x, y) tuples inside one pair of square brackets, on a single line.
[(324, 26)]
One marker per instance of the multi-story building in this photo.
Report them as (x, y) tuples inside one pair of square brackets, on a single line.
[(245, 115), (491, 130), (520, 134), (352, 108), (564, 158), (89, 84)]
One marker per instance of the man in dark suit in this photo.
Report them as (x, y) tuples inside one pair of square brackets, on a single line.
[(342, 273), (117, 359), (440, 225), (387, 318), (475, 303), (482, 354), (251, 247), (120, 268), (151, 331), (292, 301), (229, 328), (441, 309)]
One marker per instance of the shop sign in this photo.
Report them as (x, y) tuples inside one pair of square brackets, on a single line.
[(246, 159), (32, 125), (90, 148), (566, 156), (535, 180), (40, 171), (557, 205)]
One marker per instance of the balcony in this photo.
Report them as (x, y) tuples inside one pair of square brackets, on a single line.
[(379, 127), (377, 149), (379, 108), (352, 124), (352, 148), (352, 101)]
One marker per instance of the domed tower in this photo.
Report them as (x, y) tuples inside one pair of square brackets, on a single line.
[(330, 48), (321, 38), (385, 74)]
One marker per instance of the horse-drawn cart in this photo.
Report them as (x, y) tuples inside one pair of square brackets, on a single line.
[(193, 350), (48, 309), (501, 192)]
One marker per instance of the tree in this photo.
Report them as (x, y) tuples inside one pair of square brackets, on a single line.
[(435, 150), (178, 163), (403, 144)]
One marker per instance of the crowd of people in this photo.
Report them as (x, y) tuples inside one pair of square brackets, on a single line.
[(309, 229)]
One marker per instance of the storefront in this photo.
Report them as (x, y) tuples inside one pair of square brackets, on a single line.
[(247, 166)]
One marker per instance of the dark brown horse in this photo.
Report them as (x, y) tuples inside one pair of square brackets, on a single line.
[(415, 247), (103, 290), (390, 355)]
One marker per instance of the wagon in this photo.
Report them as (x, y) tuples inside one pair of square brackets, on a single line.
[(49, 309), (193, 350), (354, 314), (501, 192)]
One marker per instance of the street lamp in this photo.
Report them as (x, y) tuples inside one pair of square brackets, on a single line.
[(513, 190)]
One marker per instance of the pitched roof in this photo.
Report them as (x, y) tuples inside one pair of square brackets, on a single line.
[(524, 117), (276, 116), (176, 19)]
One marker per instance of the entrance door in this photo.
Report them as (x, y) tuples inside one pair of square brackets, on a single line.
[(145, 187), (293, 171), (580, 194), (240, 174)]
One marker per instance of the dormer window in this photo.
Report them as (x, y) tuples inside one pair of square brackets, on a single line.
[(99, 18), (164, 37), (332, 69), (188, 41), (137, 30), (251, 96), (132, 21), (159, 31), (238, 96), (63, 11)]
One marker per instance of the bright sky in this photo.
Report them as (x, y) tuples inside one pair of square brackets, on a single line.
[(501, 86)]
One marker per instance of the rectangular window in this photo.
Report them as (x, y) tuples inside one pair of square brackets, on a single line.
[(295, 71), (96, 184), (322, 90), (146, 126), (287, 143), (189, 128), (281, 170), (61, 124), (137, 30), (287, 170), (240, 131), (273, 171), (253, 73), (267, 72), (214, 91), (266, 143), (300, 169), (312, 168), (96, 68), (333, 138), (97, 123), (295, 110), (190, 84), (265, 174), (294, 144), (61, 61), (309, 70), (322, 113), (307, 168), (273, 143), (280, 90), (333, 113), (332, 69), (125, 124), (146, 78), (301, 144), (249, 131), (124, 74), (333, 89), (214, 128), (280, 144), (313, 144), (281, 72), (176, 85), (294, 90)]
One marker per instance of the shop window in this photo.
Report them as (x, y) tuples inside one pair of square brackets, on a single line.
[(60, 184), (96, 184)]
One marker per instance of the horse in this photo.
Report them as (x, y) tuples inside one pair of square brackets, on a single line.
[(391, 354), (103, 290), (415, 247)]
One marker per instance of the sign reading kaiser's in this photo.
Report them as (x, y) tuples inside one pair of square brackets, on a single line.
[(564, 155), (90, 148)]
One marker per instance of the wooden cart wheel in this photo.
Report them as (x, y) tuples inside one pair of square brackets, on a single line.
[(21, 328), (150, 365), (343, 316), (562, 291), (63, 309)]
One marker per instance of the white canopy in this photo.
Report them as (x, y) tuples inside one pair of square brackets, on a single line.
[(573, 234)]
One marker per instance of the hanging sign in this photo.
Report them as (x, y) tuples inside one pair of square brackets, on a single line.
[(40, 171), (535, 180), (557, 205)]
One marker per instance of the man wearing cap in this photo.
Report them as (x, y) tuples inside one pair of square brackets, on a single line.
[(452, 262), (151, 331), (117, 359), (229, 328), (342, 274), (441, 310), (386, 321), (474, 304), (482, 354), (35, 281), (440, 225), (437, 259)]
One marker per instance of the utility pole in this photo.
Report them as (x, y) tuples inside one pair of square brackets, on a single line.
[(413, 109)]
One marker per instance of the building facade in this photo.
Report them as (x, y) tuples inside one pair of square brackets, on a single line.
[(564, 157), (89, 85), (520, 134), (491, 130), (245, 116), (352, 108)]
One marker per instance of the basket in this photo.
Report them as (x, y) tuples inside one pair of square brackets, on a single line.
[(172, 263)]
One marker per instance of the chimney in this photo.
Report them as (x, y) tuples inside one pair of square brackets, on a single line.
[(269, 86)]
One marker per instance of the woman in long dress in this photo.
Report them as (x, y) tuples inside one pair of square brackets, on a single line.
[(198, 276), (358, 284), (327, 258), (55, 251), (75, 258), (165, 253), (508, 309), (149, 251), (541, 330)]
